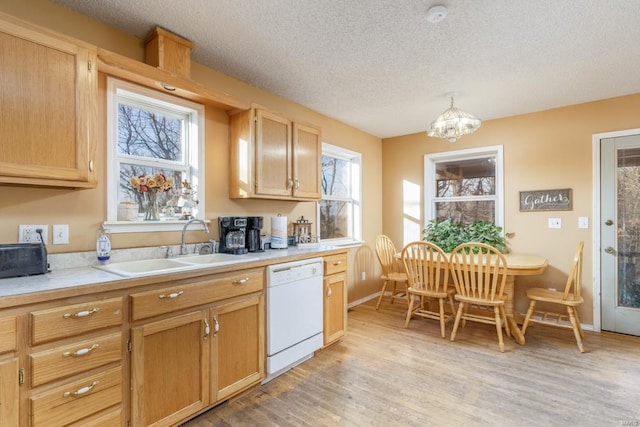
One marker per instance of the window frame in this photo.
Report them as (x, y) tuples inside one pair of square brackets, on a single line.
[(195, 161), (355, 188), (430, 161)]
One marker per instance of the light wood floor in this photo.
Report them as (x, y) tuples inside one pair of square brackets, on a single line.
[(381, 374)]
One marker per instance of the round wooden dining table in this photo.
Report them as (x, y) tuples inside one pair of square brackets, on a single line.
[(519, 265)]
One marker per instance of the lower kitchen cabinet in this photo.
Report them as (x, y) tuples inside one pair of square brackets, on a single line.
[(335, 308), (9, 392), (237, 346), (335, 298), (170, 369)]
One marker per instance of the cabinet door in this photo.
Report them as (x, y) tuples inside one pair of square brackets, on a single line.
[(9, 392), (307, 153), (273, 155), (170, 369), (237, 346), (48, 99), (335, 307)]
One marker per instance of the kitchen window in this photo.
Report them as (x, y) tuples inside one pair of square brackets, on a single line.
[(160, 138), (465, 185), (340, 208)]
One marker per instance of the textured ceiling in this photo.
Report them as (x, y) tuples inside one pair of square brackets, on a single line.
[(381, 66)]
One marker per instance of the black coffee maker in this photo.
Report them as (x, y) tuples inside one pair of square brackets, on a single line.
[(254, 225), (233, 233)]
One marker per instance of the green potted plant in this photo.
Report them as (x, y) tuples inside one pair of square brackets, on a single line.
[(448, 234)]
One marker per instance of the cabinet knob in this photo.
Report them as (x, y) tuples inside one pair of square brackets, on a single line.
[(240, 281)]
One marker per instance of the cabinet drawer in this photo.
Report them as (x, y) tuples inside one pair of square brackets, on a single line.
[(72, 359), (110, 419), (8, 333), (166, 300), (77, 400), (335, 264), (71, 320)]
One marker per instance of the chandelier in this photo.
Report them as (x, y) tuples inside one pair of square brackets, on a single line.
[(452, 124)]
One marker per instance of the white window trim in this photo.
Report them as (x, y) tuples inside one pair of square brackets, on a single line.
[(430, 161), (356, 196), (197, 131)]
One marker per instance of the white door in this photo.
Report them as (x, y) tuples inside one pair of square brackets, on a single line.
[(620, 234)]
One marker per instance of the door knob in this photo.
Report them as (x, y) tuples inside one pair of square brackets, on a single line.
[(608, 222), (609, 250)]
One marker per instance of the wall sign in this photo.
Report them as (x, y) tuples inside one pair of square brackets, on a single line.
[(546, 200)]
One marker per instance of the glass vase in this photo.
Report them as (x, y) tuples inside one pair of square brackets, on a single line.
[(152, 212)]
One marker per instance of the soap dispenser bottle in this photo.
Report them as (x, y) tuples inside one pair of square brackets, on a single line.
[(103, 245)]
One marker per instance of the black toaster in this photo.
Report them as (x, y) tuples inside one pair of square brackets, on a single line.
[(23, 259)]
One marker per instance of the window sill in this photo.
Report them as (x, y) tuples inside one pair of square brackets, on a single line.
[(343, 243), (145, 226)]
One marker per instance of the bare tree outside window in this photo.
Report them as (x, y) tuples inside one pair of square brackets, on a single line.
[(465, 190), (155, 157), (340, 184), (146, 136)]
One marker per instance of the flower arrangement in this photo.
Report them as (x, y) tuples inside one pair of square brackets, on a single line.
[(151, 185), (157, 182)]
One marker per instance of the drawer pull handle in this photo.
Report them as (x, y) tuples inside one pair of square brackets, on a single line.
[(81, 352), (329, 291), (216, 325), (240, 281), (81, 391), (80, 314), (337, 262), (207, 329), (171, 295)]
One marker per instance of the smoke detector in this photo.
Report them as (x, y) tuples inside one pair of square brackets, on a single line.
[(436, 14)]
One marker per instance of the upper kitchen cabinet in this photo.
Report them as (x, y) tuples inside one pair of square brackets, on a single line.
[(273, 158), (48, 107)]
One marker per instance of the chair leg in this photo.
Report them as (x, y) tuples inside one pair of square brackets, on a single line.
[(393, 291), (507, 328), (452, 304), (575, 312), (457, 322), (525, 323), (384, 288), (441, 304), (496, 311), (576, 328), (409, 312), (464, 320)]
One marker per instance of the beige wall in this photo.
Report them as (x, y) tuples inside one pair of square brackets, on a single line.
[(84, 210), (544, 150), (549, 149)]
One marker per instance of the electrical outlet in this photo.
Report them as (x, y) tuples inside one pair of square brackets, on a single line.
[(555, 223), (364, 276), (60, 234), (28, 233)]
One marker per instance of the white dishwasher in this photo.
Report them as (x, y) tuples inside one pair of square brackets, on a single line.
[(294, 314)]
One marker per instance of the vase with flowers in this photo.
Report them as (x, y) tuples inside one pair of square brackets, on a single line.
[(150, 186)]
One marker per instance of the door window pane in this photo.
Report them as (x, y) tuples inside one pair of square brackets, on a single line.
[(628, 183)]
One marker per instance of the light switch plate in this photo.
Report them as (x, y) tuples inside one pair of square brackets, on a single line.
[(555, 223), (60, 234), (583, 222)]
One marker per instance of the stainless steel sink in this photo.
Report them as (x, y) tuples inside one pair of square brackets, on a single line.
[(149, 267)]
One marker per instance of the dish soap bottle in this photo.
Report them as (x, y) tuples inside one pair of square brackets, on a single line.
[(103, 246)]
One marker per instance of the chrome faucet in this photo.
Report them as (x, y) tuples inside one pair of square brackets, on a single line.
[(183, 246)]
